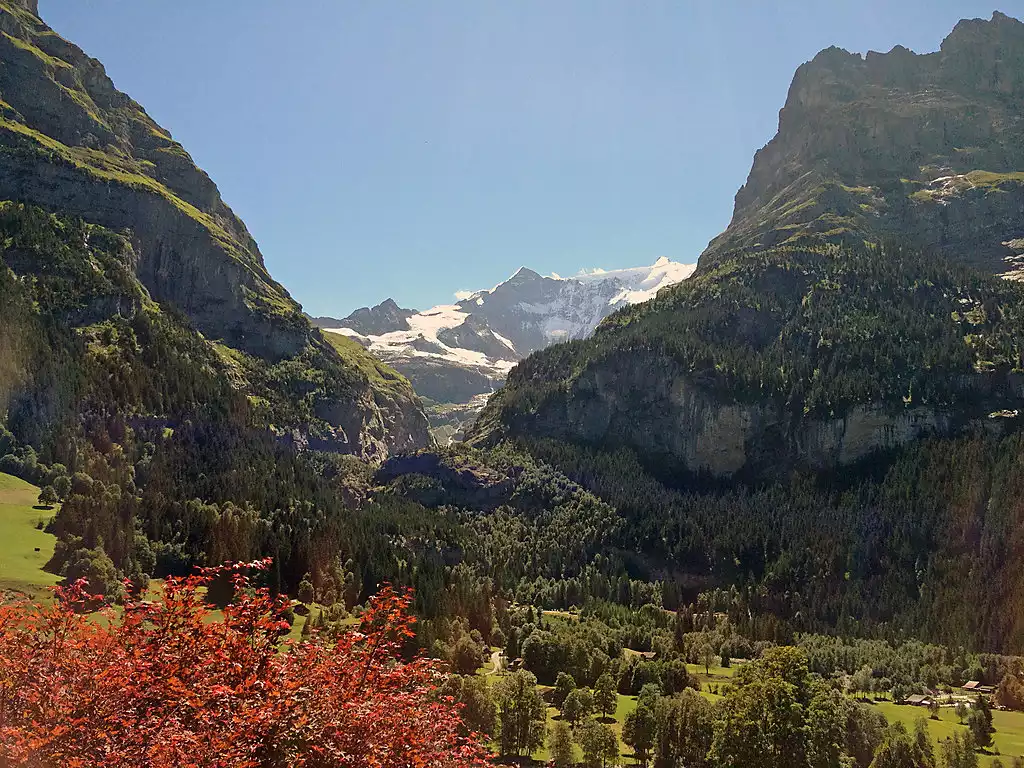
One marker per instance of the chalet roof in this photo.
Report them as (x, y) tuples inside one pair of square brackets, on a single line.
[(917, 698)]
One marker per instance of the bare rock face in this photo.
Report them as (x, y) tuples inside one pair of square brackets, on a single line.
[(652, 405), (450, 480), (74, 145), (927, 146), (373, 321)]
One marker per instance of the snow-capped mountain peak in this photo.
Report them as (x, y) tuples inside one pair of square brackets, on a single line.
[(455, 352)]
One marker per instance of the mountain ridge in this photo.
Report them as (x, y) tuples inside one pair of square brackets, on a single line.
[(75, 146), (800, 340), (926, 146)]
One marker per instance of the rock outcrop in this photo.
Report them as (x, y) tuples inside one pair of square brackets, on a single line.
[(372, 321), (653, 405), (928, 147), (74, 145), (435, 479)]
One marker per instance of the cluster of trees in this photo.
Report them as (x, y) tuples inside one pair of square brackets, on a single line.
[(586, 651), (597, 742), (877, 666), (776, 712)]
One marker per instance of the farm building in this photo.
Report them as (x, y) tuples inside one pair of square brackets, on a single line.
[(974, 686)]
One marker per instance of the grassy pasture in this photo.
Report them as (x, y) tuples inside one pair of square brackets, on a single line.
[(24, 548), (1008, 738)]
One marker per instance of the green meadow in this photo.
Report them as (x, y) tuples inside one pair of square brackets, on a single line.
[(24, 547), (1008, 740)]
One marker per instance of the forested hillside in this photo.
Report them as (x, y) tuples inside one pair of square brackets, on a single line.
[(787, 357), (165, 449), (74, 146), (828, 420)]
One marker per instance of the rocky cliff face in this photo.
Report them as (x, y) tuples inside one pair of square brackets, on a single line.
[(928, 146), (654, 405), (72, 144), (386, 317)]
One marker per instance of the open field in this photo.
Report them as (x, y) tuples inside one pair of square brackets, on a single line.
[(24, 549), (1008, 738)]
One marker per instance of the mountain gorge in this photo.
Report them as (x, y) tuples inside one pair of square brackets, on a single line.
[(729, 514), (456, 355), (828, 422)]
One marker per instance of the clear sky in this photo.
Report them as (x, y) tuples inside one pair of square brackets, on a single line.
[(383, 148)]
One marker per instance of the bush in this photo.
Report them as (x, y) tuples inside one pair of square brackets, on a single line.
[(136, 700)]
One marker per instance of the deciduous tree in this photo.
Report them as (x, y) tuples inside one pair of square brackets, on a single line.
[(900, 750), (168, 684), (605, 698), (560, 745), (639, 731), (48, 496), (564, 685), (1011, 692), (599, 744), (578, 706), (521, 713)]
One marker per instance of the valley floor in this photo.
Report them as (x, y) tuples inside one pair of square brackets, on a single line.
[(1008, 740), (25, 549)]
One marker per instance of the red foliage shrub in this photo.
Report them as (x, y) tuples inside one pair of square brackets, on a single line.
[(165, 684)]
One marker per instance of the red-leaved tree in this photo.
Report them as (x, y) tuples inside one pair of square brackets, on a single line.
[(167, 684)]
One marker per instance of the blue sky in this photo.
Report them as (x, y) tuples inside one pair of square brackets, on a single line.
[(379, 148)]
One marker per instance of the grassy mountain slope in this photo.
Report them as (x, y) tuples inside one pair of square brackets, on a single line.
[(73, 145)]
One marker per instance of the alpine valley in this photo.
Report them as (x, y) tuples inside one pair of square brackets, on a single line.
[(457, 355), (732, 514)]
